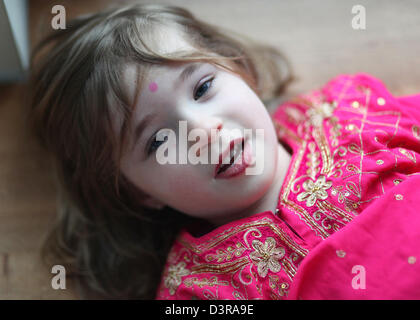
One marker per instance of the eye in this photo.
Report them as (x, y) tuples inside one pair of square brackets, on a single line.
[(202, 90), (155, 144)]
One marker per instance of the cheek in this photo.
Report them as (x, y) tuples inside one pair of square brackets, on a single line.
[(246, 104), (175, 181)]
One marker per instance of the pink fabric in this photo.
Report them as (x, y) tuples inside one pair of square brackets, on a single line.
[(375, 257), (348, 201)]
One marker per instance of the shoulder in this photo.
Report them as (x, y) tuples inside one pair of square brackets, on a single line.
[(228, 262), (338, 89), (293, 118)]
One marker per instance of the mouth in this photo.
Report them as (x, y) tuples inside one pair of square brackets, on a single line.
[(229, 164)]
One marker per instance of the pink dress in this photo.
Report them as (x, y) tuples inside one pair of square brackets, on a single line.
[(347, 223)]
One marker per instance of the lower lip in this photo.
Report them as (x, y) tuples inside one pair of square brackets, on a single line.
[(237, 169)]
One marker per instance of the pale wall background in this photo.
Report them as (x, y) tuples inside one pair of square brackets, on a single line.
[(315, 35)]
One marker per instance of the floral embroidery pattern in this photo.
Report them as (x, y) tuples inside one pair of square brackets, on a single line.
[(314, 191), (242, 261), (320, 112), (266, 256), (173, 279), (280, 288)]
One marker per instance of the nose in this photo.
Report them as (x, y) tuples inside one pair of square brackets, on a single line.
[(211, 126)]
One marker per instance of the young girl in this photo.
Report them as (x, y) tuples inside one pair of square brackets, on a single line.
[(130, 227)]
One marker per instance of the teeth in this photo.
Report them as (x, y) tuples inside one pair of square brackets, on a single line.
[(233, 154), (229, 159)]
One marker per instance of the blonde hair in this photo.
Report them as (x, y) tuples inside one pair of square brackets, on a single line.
[(114, 247)]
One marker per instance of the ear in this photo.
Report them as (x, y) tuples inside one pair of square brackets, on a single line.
[(152, 203)]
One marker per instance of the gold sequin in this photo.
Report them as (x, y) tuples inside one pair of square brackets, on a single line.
[(380, 162), (397, 181), (355, 104), (399, 197), (416, 131), (381, 101), (341, 253), (412, 260)]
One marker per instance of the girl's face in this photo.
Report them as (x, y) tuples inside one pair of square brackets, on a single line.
[(206, 97)]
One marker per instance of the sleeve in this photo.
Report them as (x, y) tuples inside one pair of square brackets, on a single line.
[(293, 118), (360, 261), (412, 105)]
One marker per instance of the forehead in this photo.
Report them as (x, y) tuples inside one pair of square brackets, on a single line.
[(146, 85), (136, 78), (164, 41)]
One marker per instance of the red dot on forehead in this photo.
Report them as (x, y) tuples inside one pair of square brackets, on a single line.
[(153, 86)]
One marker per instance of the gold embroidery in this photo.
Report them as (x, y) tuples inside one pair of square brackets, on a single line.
[(174, 275), (336, 171), (331, 166), (397, 181), (381, 101), (335, 130), (315, 220), (352, 168), (314, 191), (289, 268), (411, 260), (353, 188), (275, 284), (415, 130), (289, 183), (238, 295), (354, 148), (210, 282), (266, 256), (408, 154), (334, 211), (264, 222), (340, 193), (341, 253), (222, 255), (319, 112), (313, 161), (227, 267), (368, 92), (285, 238), (399, 197), (241, 279), (322, 143), (351, 127)]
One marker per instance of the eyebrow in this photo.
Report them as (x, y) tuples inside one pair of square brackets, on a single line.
[(141, 126), (187, 73), (183, 76)]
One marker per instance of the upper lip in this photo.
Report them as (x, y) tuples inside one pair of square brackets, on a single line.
[(226, 152)]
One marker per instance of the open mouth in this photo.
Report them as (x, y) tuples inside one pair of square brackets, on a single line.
[(228, 158)]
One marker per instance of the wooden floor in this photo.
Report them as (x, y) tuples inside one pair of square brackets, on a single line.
[(316, 35)]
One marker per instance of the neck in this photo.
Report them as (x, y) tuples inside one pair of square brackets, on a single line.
[(270, 199)]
